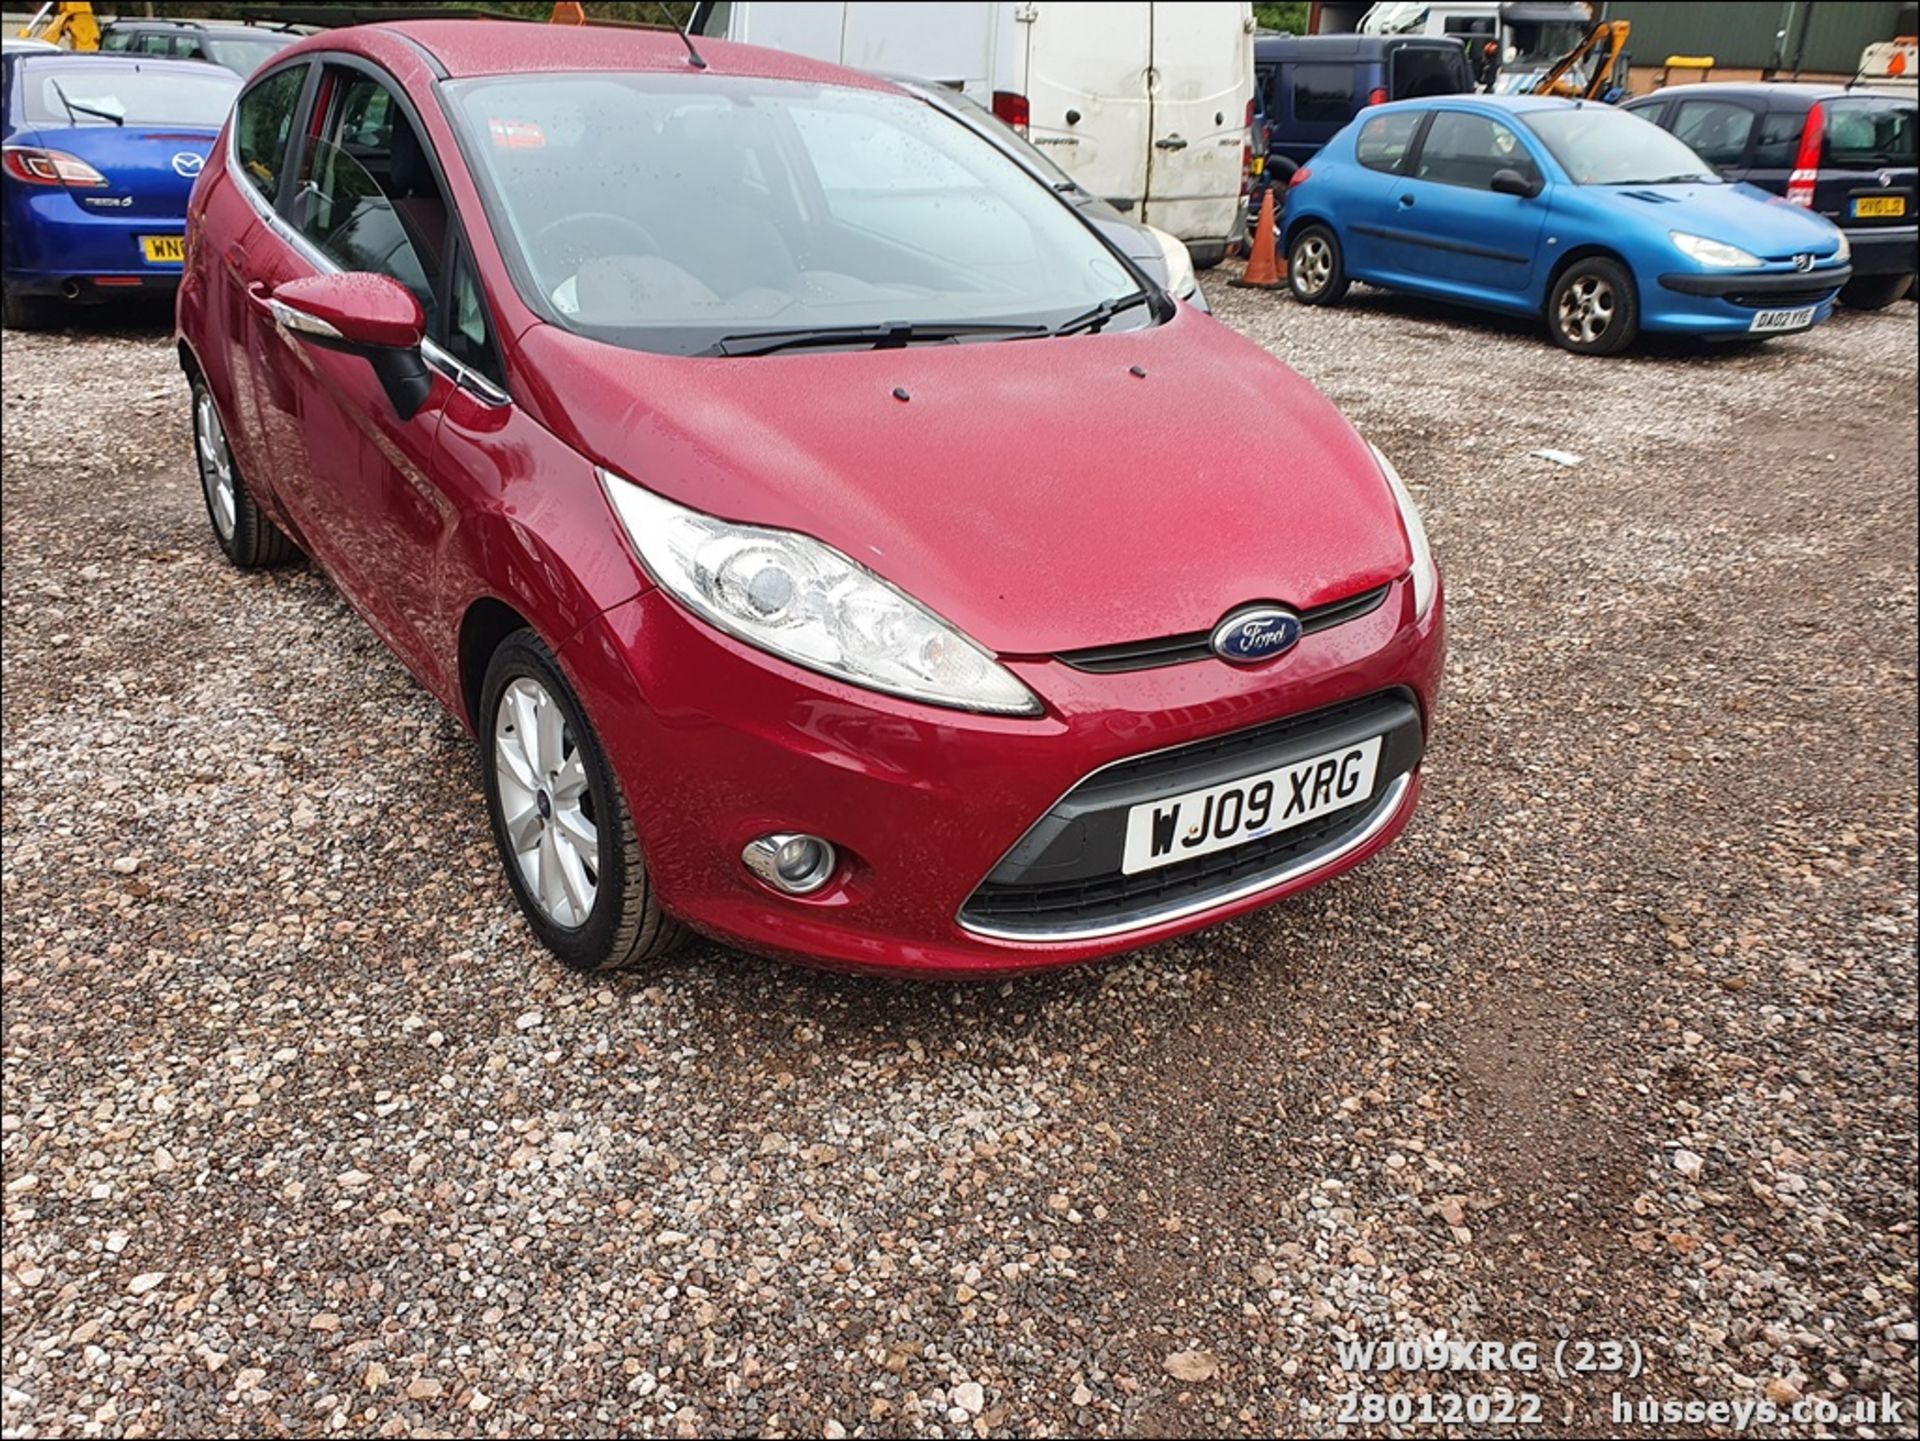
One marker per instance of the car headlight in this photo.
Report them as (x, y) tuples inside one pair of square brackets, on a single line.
[(800, 599), (1716, 253), (1845, 252), (1181, 281), (1426, 578)]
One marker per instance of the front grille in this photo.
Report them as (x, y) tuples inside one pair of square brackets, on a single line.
[(1783, 299), (1197, 645), (1062, 878), (1118, 900)]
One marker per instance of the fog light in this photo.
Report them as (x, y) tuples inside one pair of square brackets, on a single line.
[(796, 864)]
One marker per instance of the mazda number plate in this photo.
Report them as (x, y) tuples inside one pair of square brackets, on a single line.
[(1178, 828)]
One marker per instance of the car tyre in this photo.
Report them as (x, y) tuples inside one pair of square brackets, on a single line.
[(1316, 271), (19, 311), (248, 538), (1594, 308), (1874, 292), (565, 835)]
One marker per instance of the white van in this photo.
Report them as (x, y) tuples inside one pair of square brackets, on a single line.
[(1147, 105)]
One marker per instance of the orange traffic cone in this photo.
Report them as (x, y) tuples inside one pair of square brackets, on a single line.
[(1264, 270)]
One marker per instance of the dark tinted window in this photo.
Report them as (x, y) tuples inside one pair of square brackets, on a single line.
[(1717, 130), (1462, 149), (1864, 132), (1418, 71), (1383, 140), (1779, 140), (1323, 92), (262, 123)]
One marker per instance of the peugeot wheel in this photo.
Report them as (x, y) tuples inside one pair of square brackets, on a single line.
[(563, 828), (1594, 309), (249, 539), (1314, 268)]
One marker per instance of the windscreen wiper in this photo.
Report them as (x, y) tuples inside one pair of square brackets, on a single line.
[(1097, 317), (892, 335), (75, 109)]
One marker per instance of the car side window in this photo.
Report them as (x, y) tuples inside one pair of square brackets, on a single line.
[(469, 335), (117, 40), (1323, 92), (1463, 149), (1779, 141), (262, 126), (1383, 141), (1717, 130), (368, 198)]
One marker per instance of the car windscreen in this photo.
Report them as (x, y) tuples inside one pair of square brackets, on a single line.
[(244, 54), (666, 212), (1597, 145), (67, 95), (1865, 132)]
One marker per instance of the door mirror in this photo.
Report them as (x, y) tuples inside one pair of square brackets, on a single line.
[(1512, 182), (361, 313)]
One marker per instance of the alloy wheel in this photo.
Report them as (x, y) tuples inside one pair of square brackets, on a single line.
[(546, 802), (216, 464), (1313, 263), (1586, 309)]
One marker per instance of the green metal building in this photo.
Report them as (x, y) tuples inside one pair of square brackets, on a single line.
[(1818, 37)]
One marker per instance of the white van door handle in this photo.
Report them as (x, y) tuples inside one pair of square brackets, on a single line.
[(1171, 142)]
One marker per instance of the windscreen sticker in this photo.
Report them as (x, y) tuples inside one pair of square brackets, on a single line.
[(516, 134)]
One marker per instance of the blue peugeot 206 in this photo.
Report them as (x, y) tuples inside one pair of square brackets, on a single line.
[(1595, 220), (99, 154)]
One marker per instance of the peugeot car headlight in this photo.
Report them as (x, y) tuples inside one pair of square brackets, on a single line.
[(1181, 281), (1715, 253), (804, 601), (1426, 579)]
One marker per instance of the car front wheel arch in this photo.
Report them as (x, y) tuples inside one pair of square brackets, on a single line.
[(487, 623)]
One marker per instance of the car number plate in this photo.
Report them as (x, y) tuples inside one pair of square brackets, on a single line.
[(165, 249), (1178, 828), (1879, 206), (1768, 321)]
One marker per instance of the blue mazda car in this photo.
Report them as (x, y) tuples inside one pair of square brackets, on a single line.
[(99, 156), (1594, 220)]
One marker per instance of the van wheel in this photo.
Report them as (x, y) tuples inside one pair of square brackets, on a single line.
[(1594, 309), (250, 540), (563, 828), (1315, 269), (1874, 292)]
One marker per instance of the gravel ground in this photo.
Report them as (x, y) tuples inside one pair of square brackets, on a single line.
[(302, 1135)]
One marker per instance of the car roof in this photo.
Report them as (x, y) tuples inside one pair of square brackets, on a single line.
[(1341, 47), (1503, 104), (97, 60), (1804, 91), (466, 48)]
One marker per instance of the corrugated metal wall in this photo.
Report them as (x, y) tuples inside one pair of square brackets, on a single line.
[(1740, 35)]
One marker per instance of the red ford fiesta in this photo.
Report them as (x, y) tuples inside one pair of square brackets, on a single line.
[(836, 546)]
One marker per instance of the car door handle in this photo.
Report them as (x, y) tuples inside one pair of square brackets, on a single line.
[(1171, 142), (1406, 201)]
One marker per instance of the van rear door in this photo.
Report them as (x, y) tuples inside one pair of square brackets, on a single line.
[(1200, 83), (1420, 68), (1087, 94)]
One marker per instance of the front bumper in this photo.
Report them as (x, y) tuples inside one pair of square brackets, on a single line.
[(1724, 302), (716, 744)]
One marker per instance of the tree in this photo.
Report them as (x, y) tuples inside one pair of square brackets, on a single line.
[(1290, 17)]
